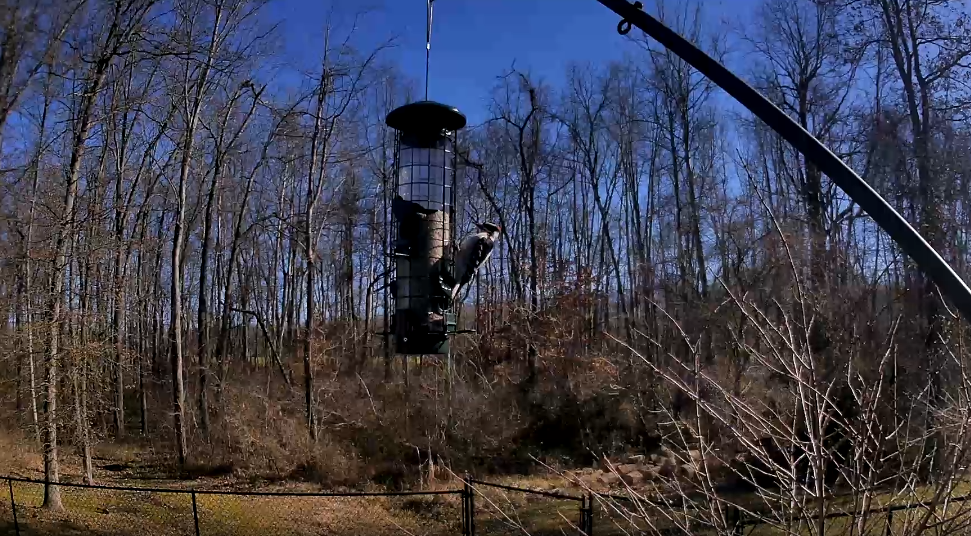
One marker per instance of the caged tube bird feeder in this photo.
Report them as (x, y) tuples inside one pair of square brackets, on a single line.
[(423, 225)]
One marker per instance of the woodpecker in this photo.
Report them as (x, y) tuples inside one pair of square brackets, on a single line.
[(473, 252)]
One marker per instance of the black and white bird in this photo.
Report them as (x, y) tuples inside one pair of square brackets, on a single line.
[(473, 252)]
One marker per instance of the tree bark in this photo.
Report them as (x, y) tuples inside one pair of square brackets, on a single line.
[(62, 240), (199, 86)]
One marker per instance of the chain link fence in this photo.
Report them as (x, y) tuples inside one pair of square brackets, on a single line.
[(128, 511), (96, 510), (499, 509), (123, 511), (478, 507)]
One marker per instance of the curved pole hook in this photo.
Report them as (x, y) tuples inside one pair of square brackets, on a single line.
[(927, 259)]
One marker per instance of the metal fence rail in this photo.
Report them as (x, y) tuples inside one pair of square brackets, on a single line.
[(743, 520), (550, 494), (242, 493)]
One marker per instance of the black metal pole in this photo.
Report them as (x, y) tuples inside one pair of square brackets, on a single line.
[(465, 507), (928, 260), (13, 508), (470, 492), (735, 520), (195, 512), (589, 527), (583, 515), (465, 514)]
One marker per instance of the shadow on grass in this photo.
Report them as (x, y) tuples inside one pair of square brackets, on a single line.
[(154, 515), (58, 528)]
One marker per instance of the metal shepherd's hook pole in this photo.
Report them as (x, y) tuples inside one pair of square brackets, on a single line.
[(428, 43), (928, 260)]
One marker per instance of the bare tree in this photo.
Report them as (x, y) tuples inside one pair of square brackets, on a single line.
[(205, 50), (337, 88), (525, 119), (30, 36), (930, 43), (120, 26)]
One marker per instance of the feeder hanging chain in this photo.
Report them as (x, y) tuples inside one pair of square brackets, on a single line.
[(624, 26)]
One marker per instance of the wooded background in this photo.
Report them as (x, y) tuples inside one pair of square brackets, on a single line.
[(190, 260)]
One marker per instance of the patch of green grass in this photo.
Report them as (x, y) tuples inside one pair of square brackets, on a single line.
[(116, 513), (538, 518), (94, 511)]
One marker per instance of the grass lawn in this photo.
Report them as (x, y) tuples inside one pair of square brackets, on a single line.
[(94, 512), (124, 513)]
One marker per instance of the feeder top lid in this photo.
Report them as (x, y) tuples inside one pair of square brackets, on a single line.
[(426, 116)]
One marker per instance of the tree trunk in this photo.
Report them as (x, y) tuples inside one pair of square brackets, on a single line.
[(175, 332), (118, 319), (308, 371), (80, 385), (176, 305), (27, 298), (63, 236), (318, 153), (203, 316)]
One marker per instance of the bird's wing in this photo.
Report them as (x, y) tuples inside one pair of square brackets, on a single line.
[(484, 250), (461, 260), (480, 250)]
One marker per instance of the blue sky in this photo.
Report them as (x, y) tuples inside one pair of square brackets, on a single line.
[(473, 41)]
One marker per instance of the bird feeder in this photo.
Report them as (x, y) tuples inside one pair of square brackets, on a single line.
[(423, 225)]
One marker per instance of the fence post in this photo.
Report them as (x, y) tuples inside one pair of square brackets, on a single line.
[(465, 506), (586, 514), (465, 509), (195, 512), (734, 520), (13, 508), (469, 507), (583, 515), (589, 514)]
